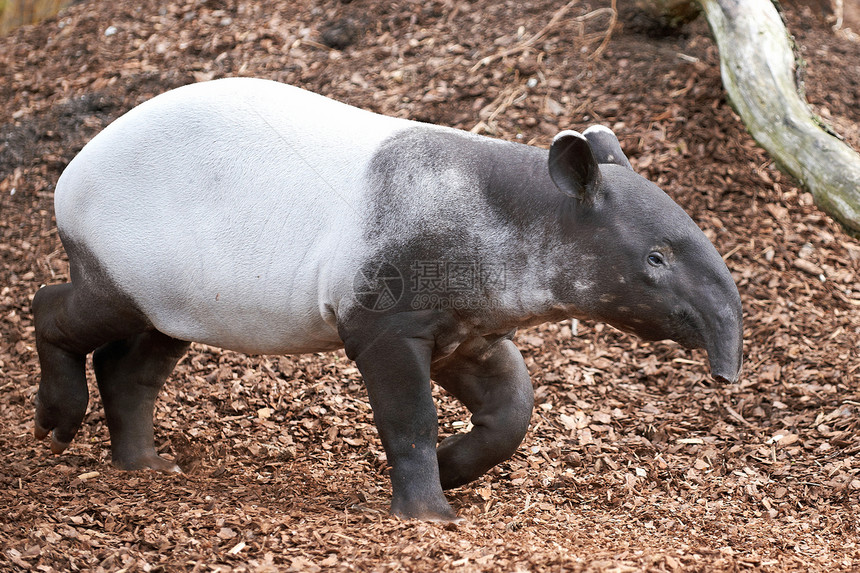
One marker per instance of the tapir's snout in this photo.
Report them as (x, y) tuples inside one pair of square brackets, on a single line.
[(709, 315), (722, 372), (726, 364), (724, 342)]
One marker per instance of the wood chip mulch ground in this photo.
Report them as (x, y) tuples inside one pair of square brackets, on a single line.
[(635, 460)]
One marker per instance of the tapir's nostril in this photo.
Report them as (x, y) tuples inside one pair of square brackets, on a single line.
[(726, 369), (726, 360)]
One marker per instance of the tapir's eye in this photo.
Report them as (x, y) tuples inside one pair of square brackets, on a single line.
[(656, 259)]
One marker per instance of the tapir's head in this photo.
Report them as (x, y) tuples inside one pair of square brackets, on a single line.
[(655, 273)]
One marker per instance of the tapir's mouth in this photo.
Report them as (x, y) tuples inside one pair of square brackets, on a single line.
[(687, 329), (722, 339)]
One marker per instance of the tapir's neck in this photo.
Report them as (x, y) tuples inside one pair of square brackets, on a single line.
[(476, 224), (519, 188), (548, 269)]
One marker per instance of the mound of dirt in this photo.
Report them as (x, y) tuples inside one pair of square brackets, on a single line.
[(634, 461)]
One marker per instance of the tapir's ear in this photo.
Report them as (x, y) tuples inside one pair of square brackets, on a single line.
[(573, 167), (605, 146)]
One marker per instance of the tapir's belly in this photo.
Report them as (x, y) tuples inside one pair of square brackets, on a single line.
[(229, 216)]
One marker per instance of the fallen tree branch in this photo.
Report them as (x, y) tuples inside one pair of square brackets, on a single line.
[(757, 66)]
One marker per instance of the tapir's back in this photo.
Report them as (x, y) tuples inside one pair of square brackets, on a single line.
[(225, 205)]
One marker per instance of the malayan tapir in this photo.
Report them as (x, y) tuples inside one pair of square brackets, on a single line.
[(259, 217)]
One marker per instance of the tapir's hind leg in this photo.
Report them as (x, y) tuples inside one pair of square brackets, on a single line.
[(72, 321), (61, 401), (494, 384), (130, 374)]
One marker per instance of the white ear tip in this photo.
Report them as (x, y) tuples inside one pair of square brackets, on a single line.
[(568, 133), (599, 129)]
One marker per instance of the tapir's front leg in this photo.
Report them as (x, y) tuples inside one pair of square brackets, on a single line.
[(492, 380), (393, 353)]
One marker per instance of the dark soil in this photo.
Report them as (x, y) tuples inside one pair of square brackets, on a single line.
[(635, 461)]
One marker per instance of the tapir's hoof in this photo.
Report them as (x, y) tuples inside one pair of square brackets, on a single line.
[(149, 462), (454, 519), (57, 446), (451, 518), (39, 432), (436, 512), (61, 428)]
